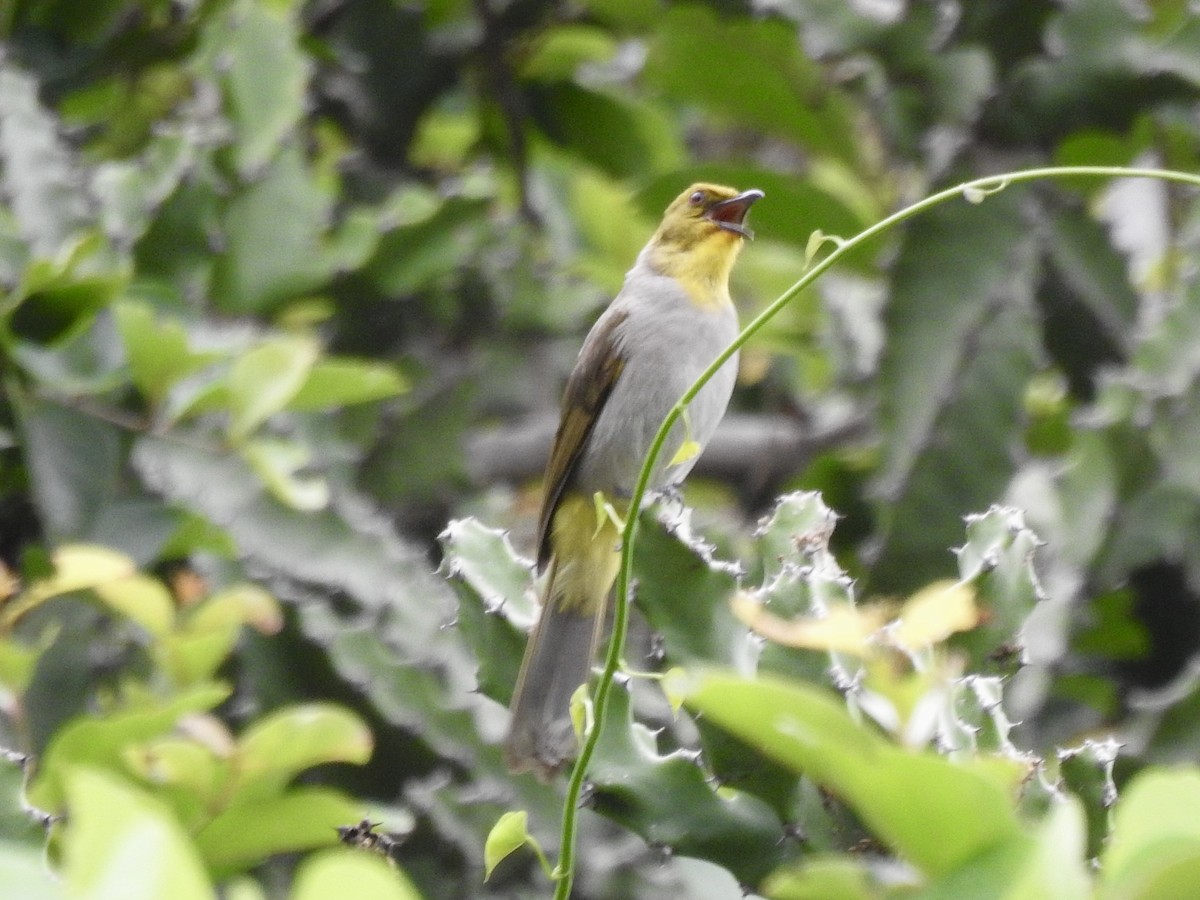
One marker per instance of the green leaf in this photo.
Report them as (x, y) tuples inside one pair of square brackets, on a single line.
[(1086, 772), (132, 190), (560, 50), (19, 663), (671, 802), (445, 137), (122, 842), (1089, 305), (55, 312), (275, 238), (254, 828), (263, 381), (684, 593), (336, 382), (1154, 847), (508, 835), (334, 873), (752, 71), (77, 567), (427, 249), (998, 559), (280, 746), (264, 80), (189, 657), (238, 605), (963, 342), (413, 669), (101, 742), (620, 136), (141, 599), (157, 351), (1109, 63), (495, 605), (823, 877), (184, 763), (73, 463), (280, 463), (1056, 865), (934, 813), (26, 874)]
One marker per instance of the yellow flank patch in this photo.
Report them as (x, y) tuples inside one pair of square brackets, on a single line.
[(586, 543)]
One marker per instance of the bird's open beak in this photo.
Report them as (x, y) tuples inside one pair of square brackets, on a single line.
[(731, 214)]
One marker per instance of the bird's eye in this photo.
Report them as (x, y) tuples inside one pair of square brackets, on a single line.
[(697, 198)]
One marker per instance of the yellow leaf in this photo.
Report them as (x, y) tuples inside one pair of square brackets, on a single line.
[(843, 629), (688, 450), (76, 567), (605, 513), (142, 599), (934, 613), (671, 681), (581, 712)]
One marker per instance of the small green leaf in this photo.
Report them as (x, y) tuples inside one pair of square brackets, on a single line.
[(583, 715), (264, 380), (687, 451), (445, 137), (238, 605), (252, 829), (344, 382), (73, 462), (277, 748), (816, 241), (509, 834), (157, 352), (279, 462), (59, 311), (671, 681), (18, 663), (606, 513), (123, 843), (276, 231)]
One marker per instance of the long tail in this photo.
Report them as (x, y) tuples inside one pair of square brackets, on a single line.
[(562, 647)]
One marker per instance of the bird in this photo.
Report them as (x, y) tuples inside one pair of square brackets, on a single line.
[(671, 319)]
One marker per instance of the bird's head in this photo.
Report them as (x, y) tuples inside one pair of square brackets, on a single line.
[(699, 239)]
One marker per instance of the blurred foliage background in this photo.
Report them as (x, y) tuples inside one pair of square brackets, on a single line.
[(287, 286)]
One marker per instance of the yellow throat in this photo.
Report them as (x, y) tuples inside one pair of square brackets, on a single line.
[(699, 239)]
